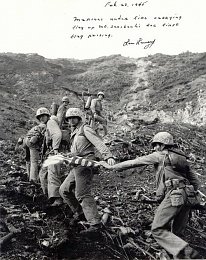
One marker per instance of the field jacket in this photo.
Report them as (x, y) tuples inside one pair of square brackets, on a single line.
[(84, 140), (34, 137), (164, 171), (53, 133), (61, 114), (96, 106)]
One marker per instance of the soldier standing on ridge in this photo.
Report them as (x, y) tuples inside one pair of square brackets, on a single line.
[(83, 141), (96, 108), (61, 112), (175, 184)]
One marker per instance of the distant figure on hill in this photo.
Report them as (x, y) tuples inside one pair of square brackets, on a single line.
[(168, 98), (96, 108), (178, 92), (62, 111), (125, 108)]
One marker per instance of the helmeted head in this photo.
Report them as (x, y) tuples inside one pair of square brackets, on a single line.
[(42, 111), (100, 93), (163, 138), (65, 101), (74, 116), (74, 112)]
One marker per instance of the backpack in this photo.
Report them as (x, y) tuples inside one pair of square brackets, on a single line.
[(178, 162), (65, 138), (88, 103), (54, 108)]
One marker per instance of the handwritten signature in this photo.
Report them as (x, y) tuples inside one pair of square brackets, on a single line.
[(140, 41)]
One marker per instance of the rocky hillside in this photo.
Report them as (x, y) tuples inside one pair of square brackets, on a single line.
[(158, 87), (144, 96)]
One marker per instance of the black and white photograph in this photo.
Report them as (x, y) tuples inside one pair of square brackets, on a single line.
[(102, 129)]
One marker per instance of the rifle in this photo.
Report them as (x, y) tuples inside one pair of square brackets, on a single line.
[(43, 149)]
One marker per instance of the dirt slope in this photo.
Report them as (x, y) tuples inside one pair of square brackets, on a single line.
[(156, 89), (170, 88)]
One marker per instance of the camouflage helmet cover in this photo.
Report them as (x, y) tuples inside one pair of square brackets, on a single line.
[(74, 112), (42, 111), (164, 138)]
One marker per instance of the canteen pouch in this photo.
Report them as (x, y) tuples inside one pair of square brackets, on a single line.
[(193, 197), (176, 198)]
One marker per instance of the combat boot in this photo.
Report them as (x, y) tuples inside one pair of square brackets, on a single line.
[(58, 202), (93, 229), (189, 253), (77, 218)]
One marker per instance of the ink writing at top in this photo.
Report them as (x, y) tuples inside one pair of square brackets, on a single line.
[(140, 4), (114, 4), (76, 36), (110, 4), (125, 4), (77, 27)]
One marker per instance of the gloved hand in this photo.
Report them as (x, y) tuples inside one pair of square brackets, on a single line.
[(111, 161)]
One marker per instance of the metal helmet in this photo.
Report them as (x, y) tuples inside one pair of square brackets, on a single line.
[(163, 138), (100, 93), (65, 99), (42, 111), (74, 112)]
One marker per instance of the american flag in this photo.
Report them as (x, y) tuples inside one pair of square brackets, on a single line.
[(75, 160)]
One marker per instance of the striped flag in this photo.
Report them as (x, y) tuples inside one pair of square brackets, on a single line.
[(75, 160)]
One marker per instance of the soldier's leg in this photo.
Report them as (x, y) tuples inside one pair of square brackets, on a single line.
[(180, 221), (164, 237), (43, 176), (54, 181), (84, 177), (34, 158), (66, 192)]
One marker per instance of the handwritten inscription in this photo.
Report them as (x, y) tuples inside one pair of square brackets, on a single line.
[(134, 23), (140, 41), (116, 4)]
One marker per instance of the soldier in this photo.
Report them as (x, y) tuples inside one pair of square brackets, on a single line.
[(34, 140), (83, 141), (50, 177), (61, 112), (96, 108), (173, 179)]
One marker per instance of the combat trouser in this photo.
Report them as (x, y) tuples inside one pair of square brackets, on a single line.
[(81, 201), (50, 180), (34, 159), (178, 215)]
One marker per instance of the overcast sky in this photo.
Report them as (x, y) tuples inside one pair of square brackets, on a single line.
[(47, 27)]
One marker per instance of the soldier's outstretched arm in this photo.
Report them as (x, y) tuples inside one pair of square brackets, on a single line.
[(150, 159)]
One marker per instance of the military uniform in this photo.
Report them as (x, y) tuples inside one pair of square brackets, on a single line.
[(166, 213), (96, 108), (34, 140), (83, 142), (50, 176)]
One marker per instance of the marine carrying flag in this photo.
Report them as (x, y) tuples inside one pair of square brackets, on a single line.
[(75, 160)]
